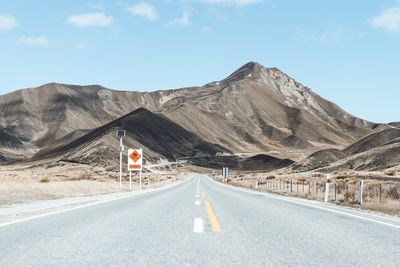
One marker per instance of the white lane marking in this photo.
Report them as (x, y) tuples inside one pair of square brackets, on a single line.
[(198, 225), (197, 202), (302, 202), (133, 194), (198, 186)]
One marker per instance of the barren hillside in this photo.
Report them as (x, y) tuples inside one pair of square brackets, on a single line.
[(256, 109)]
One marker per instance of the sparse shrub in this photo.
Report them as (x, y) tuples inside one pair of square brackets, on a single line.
[(44, 179), (270, 177), (390, 172), (342, 175), (393, 193), (350, 196), (317, 175)]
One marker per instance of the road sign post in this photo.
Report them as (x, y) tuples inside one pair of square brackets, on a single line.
[(135, 163), (130, 181), (120, 134), (140, 181)]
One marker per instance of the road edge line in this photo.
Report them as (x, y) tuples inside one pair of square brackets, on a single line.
[(303, 203), (133, 194)]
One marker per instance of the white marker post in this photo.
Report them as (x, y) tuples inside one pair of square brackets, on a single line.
[(135, 163), (225, 172), (120, 134), (361, 191), (328, 182)]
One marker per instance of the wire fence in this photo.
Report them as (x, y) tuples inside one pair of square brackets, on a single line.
[(347, 191)]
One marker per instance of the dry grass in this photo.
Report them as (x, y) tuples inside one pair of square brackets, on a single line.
[(383, 196), (83, 176), (26, 182)]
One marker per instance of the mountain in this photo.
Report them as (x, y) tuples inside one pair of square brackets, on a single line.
[(376, 159), (159, 137), (373, 140), (319, 159), (376, 151), (255, 109)]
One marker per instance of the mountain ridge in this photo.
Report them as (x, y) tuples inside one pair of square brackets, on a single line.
[(253, 109)]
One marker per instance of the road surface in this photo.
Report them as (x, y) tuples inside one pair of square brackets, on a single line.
[(202, 223)]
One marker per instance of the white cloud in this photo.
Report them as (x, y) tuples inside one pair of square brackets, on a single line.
[(183, 20), (144, 9), (33, 41), (91, 20), (388, 20), (7, 22), (238, 3)]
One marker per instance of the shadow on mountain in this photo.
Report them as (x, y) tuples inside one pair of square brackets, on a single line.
[(153, 131)]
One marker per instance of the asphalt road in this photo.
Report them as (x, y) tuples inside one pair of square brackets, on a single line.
[(202, 223)]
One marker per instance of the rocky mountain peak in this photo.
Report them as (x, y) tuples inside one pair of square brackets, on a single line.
[(251, 70)]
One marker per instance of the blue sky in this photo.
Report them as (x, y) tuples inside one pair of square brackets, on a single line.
[(347, 51)]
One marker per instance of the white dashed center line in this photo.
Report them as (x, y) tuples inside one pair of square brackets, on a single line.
[(198, 225)]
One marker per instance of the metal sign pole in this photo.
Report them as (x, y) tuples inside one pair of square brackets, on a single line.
[(140, 180), (120, 163), (130, 181), (120, 134)]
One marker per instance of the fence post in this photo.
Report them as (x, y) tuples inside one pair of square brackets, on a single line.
[(380, 193), (291, 186)]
